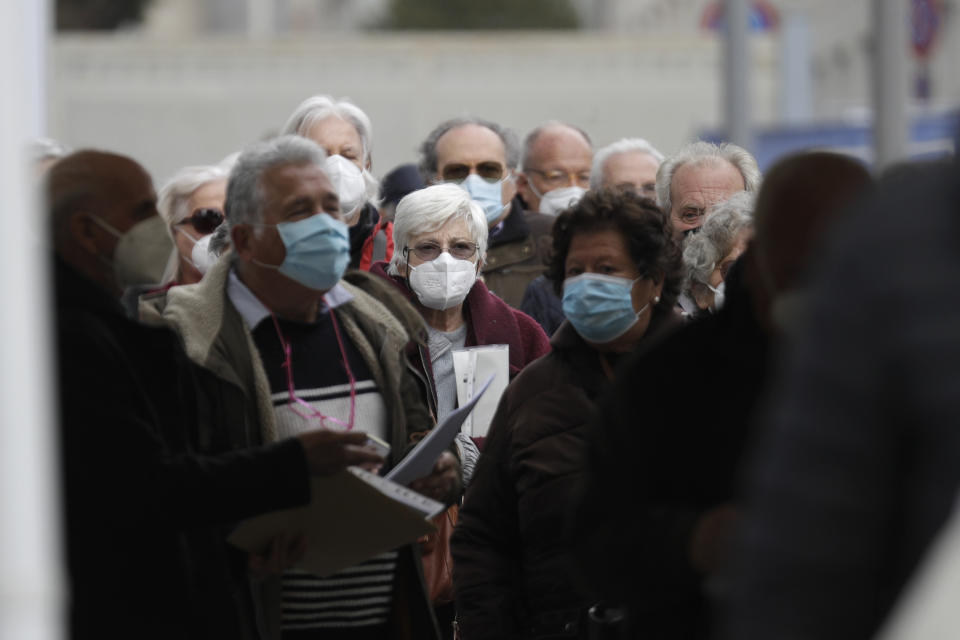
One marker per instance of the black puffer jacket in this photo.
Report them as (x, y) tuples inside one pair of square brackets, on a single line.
[(512, 564)]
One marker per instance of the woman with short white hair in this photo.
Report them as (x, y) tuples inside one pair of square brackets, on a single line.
[(440, 235), (191, 203), (709, 253), (440, 240), (345, 133)]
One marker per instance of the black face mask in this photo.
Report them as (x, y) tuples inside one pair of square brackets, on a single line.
[(687, 232)]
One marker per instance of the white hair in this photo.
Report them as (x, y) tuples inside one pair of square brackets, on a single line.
[(429, 209), (701, 153), (624, 145), (316, 108), (244, 204), (175, 195), (703, 250), (42, 149)]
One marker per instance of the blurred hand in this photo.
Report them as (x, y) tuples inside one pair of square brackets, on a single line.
[(710, 543), (284, 551), (331, 451), (443, 484)]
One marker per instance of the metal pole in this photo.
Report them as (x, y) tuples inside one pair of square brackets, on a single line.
[(737, 67), (890, 84), (796, 81), (30, 560)]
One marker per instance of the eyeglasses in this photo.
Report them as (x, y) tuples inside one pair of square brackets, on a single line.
[(428, 251), (205, 221), (458, 172), (557, 179)]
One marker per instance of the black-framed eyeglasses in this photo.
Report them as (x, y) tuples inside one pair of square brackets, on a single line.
[(205, 221), (427, 251)]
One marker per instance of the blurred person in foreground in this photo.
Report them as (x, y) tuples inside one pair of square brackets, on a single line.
[(555, 167), (344, 131), (629, 165), (441, 235), (859, 467), (482, 156), (143, 555), (709, 254), (293, 346), (191, 203), (618, 265), (671, 435), (701, 175)]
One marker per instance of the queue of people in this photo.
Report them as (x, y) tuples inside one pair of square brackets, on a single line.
[(271, 317)]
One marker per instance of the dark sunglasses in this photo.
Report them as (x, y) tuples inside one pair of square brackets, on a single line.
[(205, 221)]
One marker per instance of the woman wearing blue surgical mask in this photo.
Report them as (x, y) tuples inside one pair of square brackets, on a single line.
[(617, 265)]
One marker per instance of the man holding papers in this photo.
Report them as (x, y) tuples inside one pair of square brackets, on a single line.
[(296, 346)]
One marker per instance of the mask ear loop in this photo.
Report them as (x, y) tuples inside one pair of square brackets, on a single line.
[(291, 388)]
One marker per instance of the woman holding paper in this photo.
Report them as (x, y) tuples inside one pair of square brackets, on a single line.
[(440, 240), (617, 265), (440, 236)]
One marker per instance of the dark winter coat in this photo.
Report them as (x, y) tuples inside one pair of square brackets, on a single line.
[(517, 253), (669, 443), (513, 568), (143, 552)]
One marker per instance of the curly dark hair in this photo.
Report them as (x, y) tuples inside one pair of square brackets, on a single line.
[(645, 227)]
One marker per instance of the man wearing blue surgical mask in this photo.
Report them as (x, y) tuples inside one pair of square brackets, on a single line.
[(481, 156), (300, 347)]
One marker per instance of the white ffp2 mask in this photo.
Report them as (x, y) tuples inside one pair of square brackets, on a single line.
[(349, 184), (443, 282)]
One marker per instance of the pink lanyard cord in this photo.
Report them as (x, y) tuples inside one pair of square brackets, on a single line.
[(291, 388)]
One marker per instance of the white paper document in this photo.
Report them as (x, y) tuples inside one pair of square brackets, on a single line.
[(420, 461), (472, 365), (352, 516)]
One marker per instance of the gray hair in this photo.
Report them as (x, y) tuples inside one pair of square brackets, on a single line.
[(428, 149), (700, 153), (532, 137), (316, 108), (245, 197), (175, 196), (429, 209), (624, 145), (703, 250)]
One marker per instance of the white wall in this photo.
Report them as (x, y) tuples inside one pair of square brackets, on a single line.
[(171, 103)]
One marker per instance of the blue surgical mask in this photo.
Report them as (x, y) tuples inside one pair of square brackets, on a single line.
[(486, 194), (318, 251), (600, 307)]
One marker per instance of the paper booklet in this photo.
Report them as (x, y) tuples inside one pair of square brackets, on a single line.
[(352, 516), (472, 365), (419, 462)]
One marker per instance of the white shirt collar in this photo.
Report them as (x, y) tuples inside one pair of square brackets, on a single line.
[(254, 312)]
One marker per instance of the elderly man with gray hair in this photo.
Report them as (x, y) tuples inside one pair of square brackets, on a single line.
[(701, 175), (628, 164), (709, 253), (555, 167), (481, 156), (290, 345)]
